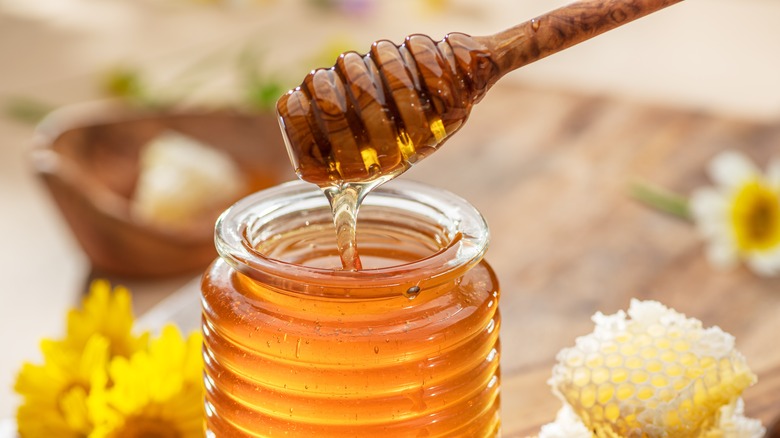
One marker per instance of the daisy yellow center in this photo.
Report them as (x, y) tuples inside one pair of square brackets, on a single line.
[(755, 217), (145, 427)]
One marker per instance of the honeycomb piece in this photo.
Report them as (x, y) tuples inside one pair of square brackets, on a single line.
[(653, 373)]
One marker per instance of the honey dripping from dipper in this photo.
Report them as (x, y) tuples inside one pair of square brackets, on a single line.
[(367, 119)]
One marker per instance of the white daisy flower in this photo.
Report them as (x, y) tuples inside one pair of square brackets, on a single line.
[(740, 218)]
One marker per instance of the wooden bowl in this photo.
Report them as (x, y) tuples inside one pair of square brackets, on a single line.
[(88, 157)]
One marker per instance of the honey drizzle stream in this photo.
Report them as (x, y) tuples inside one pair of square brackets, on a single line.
[(345, 200), (344, 203)]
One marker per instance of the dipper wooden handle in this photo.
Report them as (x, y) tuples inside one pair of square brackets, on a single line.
[(562, 28), (374, 115)]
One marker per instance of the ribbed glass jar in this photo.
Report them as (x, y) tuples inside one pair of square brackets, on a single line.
[(296, 347)]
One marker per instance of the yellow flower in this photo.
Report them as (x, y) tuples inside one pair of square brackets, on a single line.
[(155, 393), (109, 314), (740, 218), (103, 381), (55, 392)]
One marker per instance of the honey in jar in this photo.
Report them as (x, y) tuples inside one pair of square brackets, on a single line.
[(407, 346)]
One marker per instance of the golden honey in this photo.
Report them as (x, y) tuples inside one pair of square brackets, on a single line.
[(379, 113), (297, 347)]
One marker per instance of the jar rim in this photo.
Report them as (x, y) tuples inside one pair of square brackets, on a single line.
[(468, 242)]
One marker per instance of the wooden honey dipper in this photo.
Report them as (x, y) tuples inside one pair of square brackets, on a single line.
[(377, 114)]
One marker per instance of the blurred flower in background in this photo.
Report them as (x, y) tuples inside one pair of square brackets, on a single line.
[(740, 217), (101, 380)]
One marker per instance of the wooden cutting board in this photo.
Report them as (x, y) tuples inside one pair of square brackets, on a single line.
[(550, 171)]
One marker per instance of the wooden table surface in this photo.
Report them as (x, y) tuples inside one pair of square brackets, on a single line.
[(550, 171)]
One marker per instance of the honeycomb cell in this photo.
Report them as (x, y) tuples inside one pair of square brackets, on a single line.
[(639, 376), (625, 392), (575, 359), (594, 360), (679, 385), (674, 370), (643, 340), (634, 362), (588, 396), (612, 412), (649, 353), (619, 375), (681, 346), (674, 333), (598, 413), (659, 381), (628, 350), (645, 393), (600, 375), (610, 347), (666, 394), (613, 361), (662, 343), (689, 359), (605, 393), (654, 366), (581, 376)]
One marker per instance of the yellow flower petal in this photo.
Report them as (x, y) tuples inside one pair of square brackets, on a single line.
[(74, 409), (106, 312), (55, 392), (155, 392), (35, 421)]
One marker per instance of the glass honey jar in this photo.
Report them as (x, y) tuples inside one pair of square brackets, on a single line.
[(407, 346)]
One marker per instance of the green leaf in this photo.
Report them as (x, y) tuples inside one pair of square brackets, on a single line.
[(26, 110), (661, 199)]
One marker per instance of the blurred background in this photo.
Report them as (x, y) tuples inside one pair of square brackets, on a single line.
[(710, 56)]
